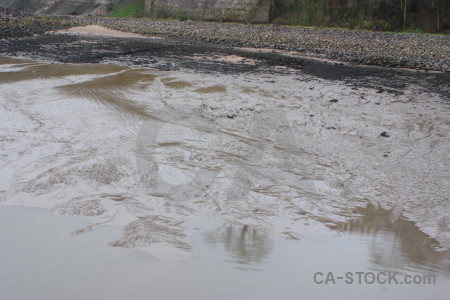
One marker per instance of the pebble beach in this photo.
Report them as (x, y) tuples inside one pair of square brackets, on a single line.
[(401, 50)]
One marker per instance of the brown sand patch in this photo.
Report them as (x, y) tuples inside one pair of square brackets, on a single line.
[(101, 31), (212, 89)]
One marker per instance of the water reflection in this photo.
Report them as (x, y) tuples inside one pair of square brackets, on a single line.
[(247, 247), (397, 244)]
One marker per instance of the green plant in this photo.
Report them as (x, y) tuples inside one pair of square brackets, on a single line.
[(412, 30), (183, 16), (161, 14), (367, 25), (386, 15), (127, 9), (382, 25), (291, 20)]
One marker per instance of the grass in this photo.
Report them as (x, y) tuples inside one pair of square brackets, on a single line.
[(411, 30), (304, 13), (127, 9)]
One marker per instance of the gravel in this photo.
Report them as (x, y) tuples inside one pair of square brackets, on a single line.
[(405, 50), (9, 12), (14, 23), (416, 51)]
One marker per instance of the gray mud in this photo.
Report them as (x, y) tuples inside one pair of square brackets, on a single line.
[(170, 55), (251, 147)]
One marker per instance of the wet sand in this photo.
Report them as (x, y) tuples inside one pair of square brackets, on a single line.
[(96, 30), (164, 132)]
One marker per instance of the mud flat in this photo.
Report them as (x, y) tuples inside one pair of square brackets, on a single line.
[(340, 143), (162, 138)]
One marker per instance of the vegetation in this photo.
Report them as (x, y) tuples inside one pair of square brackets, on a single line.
[(384, 15), (127, 9), (408, 15)]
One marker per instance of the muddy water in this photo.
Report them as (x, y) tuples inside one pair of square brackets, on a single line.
[(40, 261), (259, 181)]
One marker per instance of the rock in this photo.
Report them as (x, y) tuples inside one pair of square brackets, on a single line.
[(427, 52)]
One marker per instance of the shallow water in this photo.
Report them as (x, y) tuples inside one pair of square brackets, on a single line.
[(230, 186), (40, 261)]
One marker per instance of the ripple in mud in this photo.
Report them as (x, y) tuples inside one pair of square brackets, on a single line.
[(153, 230), (46, 71), (113, 90), (80, 207), (175, 84), (212, 89), (98, 173)]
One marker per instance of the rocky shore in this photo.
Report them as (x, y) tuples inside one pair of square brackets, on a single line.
[(416, 51), (9, 12), (403, 50), (14, 23)]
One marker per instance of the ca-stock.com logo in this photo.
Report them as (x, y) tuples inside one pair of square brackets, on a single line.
[(369, 278)]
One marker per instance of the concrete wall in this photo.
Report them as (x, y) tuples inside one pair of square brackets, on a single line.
[(254, 11), (57, 7)]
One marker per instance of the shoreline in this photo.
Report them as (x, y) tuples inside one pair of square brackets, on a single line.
[(396, 50), (100, 31), (417, 52)]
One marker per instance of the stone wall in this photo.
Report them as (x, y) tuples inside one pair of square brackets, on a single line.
[(254, 11), (58, 7)]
